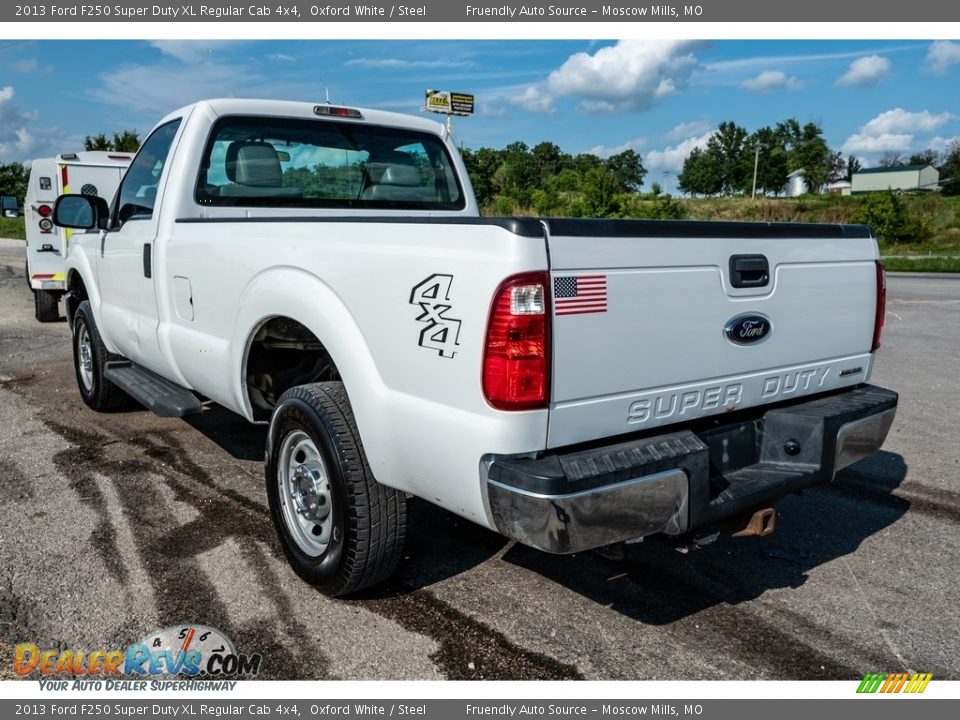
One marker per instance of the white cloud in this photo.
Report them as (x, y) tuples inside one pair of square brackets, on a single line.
[(605, 151), (866, 71), (770, 80), (893, 131), (899, 120), (687, 129), (398, 64), (672, 158), (534, 100), (861, 143), (191, 51), (280, 57), (941, 143), (27, 65), (492, 110), (942, 54), (761, 62), (155, 90), (22, 138), (629, 76)]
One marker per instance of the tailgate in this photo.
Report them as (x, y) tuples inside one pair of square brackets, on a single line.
[(649, 330)]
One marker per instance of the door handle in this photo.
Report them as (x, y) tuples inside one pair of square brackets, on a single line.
[(749, 271), (147, 268)]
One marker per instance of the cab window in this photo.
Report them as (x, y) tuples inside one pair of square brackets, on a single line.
[(138, 192), (303, 163)]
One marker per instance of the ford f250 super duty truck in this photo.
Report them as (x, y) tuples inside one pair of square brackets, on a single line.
[(572, 384)]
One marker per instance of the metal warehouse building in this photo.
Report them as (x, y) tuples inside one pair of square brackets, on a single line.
[(906, 177)]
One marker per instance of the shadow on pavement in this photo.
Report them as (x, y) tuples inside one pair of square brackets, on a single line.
[(241, 439), (656, 584)]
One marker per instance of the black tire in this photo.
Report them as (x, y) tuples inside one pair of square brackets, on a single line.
[(368, 519), (99, 393), (46, 305)]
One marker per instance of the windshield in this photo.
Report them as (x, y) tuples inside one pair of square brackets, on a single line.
[(284, 162)]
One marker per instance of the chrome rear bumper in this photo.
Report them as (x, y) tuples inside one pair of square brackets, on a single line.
[(684, 481)]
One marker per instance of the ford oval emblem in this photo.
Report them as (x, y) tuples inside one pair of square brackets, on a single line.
[(747, 329)]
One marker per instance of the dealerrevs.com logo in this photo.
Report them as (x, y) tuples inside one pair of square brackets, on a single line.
[(894, 683), (188, 651)]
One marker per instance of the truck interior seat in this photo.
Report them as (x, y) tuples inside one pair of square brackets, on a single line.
[(253, 169), (396, 179)]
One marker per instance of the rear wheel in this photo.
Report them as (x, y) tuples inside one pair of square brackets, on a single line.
[(46, 305), (90, 356), (340, 529)]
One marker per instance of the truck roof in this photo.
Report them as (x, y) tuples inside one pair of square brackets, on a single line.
[(292, 108)]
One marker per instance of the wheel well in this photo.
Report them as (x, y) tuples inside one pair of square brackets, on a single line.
[(76, 294), (282, 355)]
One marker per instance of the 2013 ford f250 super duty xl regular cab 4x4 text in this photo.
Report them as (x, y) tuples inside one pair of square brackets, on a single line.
[(569, 383)]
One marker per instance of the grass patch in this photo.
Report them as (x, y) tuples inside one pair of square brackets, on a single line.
[(922, 264), (13, 228)]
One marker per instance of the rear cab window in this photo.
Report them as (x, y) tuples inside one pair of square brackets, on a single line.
[(304, 163)]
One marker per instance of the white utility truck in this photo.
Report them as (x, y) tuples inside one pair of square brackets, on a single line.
[(95, 173), (569, 383)]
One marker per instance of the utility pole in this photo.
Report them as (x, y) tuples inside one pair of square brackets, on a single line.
[(756, 162)]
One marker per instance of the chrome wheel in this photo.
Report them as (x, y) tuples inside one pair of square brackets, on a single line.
[(84, 356), (304, 493)]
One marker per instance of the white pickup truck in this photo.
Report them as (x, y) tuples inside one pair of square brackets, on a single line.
[(572, 384)]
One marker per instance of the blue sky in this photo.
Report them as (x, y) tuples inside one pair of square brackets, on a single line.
[(662, 98)]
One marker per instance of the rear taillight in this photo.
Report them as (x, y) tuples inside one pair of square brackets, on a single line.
[(516, 358), (44, 211), (881, 305)]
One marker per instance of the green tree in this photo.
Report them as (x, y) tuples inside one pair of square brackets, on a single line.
[(807, 151), (836, 167), (482, 166), (518, 175), (853, 166), (584, 162), (726, 148), (772, 164), (926, 157), (885, 213), (600, 189), (627, 168), (124, 141), (812, 156), (700, 174), (549, 158), (13, 180), (567, 180), (891, 158), (950, 170)]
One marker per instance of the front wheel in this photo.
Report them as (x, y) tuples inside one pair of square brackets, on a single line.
[(90, 356), (340, 529)]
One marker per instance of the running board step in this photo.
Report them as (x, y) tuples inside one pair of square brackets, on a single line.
[(165, 398)]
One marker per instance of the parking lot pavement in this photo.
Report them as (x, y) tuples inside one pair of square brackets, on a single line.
[(112, 526)]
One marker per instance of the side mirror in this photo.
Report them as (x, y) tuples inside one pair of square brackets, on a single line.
[(81, 212)]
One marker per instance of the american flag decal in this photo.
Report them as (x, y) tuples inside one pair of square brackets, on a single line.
[(580, 294)]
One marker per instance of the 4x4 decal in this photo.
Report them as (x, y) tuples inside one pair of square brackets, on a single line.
[(441, 333)]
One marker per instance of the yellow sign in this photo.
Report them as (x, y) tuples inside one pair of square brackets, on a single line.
[(449, 103)]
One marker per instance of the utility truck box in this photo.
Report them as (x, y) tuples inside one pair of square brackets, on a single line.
[(92, 173)]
